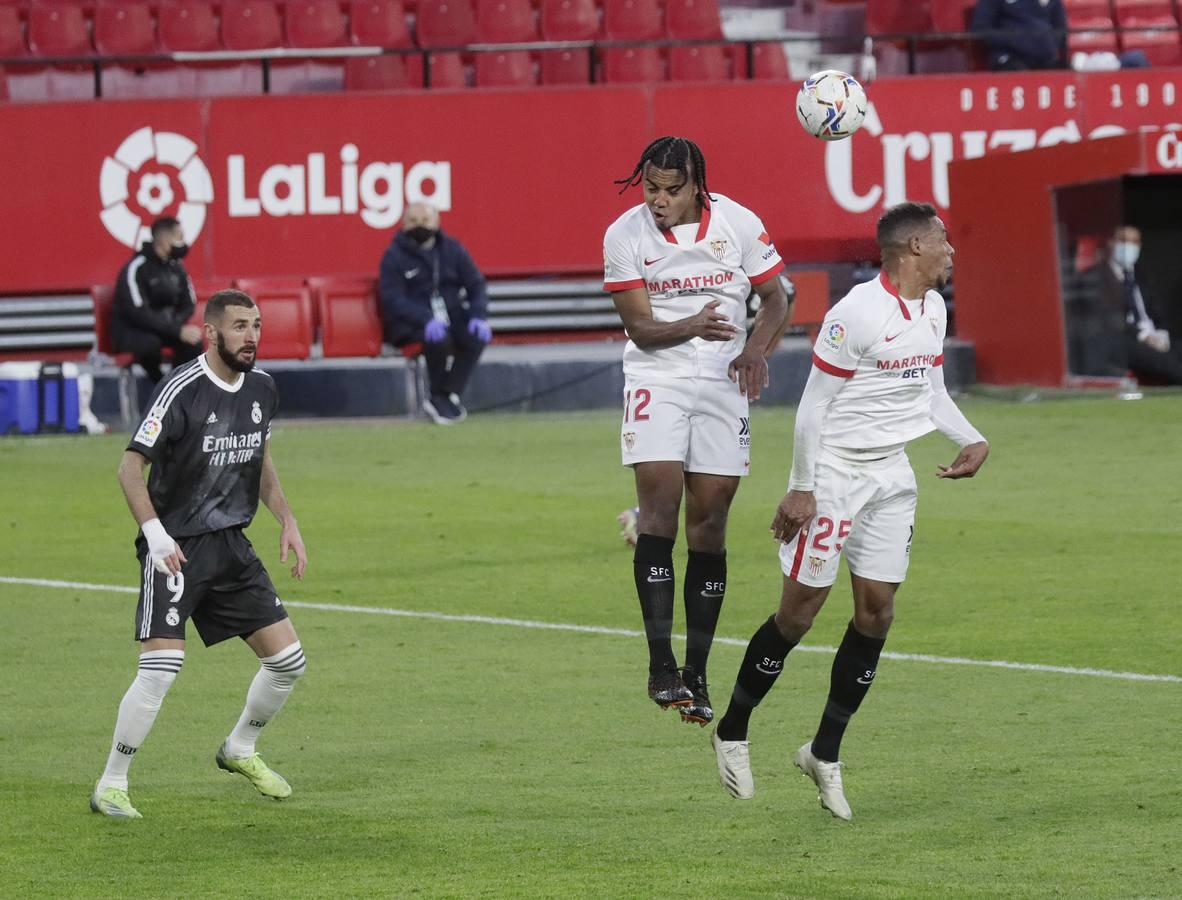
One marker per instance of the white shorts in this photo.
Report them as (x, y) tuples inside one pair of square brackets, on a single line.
[(702, 423), (865, 510)]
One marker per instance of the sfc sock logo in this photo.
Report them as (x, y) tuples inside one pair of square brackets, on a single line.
[(150, 174)]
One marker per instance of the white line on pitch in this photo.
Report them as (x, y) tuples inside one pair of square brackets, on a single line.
[(624, 632)]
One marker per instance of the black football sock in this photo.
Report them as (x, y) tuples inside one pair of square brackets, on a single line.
[(653, 569), (762, 664), (705, 583), (849, 680)]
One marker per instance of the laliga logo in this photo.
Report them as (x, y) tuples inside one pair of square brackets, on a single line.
[(153, 157)]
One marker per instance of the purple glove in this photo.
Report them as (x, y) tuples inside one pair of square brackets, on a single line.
[(435, 331), (481, 330)]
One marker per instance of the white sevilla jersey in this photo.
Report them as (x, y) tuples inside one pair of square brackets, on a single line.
[(885, 346), (719, 258)]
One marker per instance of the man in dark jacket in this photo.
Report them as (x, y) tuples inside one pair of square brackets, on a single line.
[(1110, 330), (433, 294), (153, 301), (1037, 38)]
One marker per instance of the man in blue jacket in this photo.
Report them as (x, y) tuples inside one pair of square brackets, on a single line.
[(1037, 38), (433, 294)]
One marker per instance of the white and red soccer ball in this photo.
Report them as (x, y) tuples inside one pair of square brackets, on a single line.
[(831, 105)]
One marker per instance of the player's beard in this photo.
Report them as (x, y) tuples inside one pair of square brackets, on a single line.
[(231, 359)]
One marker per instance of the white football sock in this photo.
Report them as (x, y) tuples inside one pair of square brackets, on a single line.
[(272, 683), (137, 711)]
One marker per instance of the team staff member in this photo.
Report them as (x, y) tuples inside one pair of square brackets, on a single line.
[(153, 302), (877, 382), (433, 294), (1022, 34), (679, 267), (207, 440)]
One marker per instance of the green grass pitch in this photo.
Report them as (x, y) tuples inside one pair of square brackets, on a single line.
[(459, 759)]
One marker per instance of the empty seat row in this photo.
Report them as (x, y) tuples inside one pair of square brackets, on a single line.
[(344, 309), (518, 68), (135, 27), (500, 69), (942, 16)]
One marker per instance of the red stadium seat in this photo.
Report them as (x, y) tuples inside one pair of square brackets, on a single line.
[(311, 24), (103, 298), (377, 73), (569, 20), (699, 62), (1083, 9), (12, 37), (512, 69), (349, 319), (3, 85), (690, 20), (314, 23), (633, 65), (812, 299), (192, 26), (286, 310), (632, 20), (251, 25), (378, 23), (1161, 48), (566, 66), (55, 28), (447, 70), (1091, 35), (504, 22), (188, 25), (124, 28), (952, 15), (892, 17), (445, 23), (1142, 9), (58, 29), (769, 62)]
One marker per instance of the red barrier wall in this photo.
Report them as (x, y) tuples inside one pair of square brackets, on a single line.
[(1008, 296), (313, 184)]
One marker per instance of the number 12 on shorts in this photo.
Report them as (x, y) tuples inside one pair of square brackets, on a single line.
[(637, 412)]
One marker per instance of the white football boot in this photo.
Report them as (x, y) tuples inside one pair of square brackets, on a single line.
[(827, 777), (734, 767)]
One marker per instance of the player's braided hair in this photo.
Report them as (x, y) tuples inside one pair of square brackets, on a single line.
[(671, 152)]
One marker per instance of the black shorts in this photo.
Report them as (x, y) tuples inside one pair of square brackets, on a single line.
[(223, 588)]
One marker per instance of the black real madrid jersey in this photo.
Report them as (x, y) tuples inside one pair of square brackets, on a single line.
[(204, 438)]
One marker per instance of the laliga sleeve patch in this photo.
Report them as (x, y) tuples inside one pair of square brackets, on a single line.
[(834, 335), (149, 430)]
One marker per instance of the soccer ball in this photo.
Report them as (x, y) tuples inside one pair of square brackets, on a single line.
[(831, 105)]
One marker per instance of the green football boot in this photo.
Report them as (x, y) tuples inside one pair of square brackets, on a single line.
[(113, 802), (267, 781)]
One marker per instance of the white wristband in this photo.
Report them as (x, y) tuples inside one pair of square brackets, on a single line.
[(160, 544)]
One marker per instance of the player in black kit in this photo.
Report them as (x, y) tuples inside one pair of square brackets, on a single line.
[(206, 438)]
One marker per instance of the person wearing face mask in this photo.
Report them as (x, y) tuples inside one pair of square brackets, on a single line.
[(433, 294), (154, 299), (1115, 305)]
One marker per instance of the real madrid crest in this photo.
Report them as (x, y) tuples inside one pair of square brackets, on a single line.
[(256, 414), (718, 248)]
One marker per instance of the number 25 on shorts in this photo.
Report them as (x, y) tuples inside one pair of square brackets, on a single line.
[(824, 530), (635, 403)]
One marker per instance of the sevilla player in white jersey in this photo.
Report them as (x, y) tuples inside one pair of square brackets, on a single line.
[(680, 267), (877, 382)]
